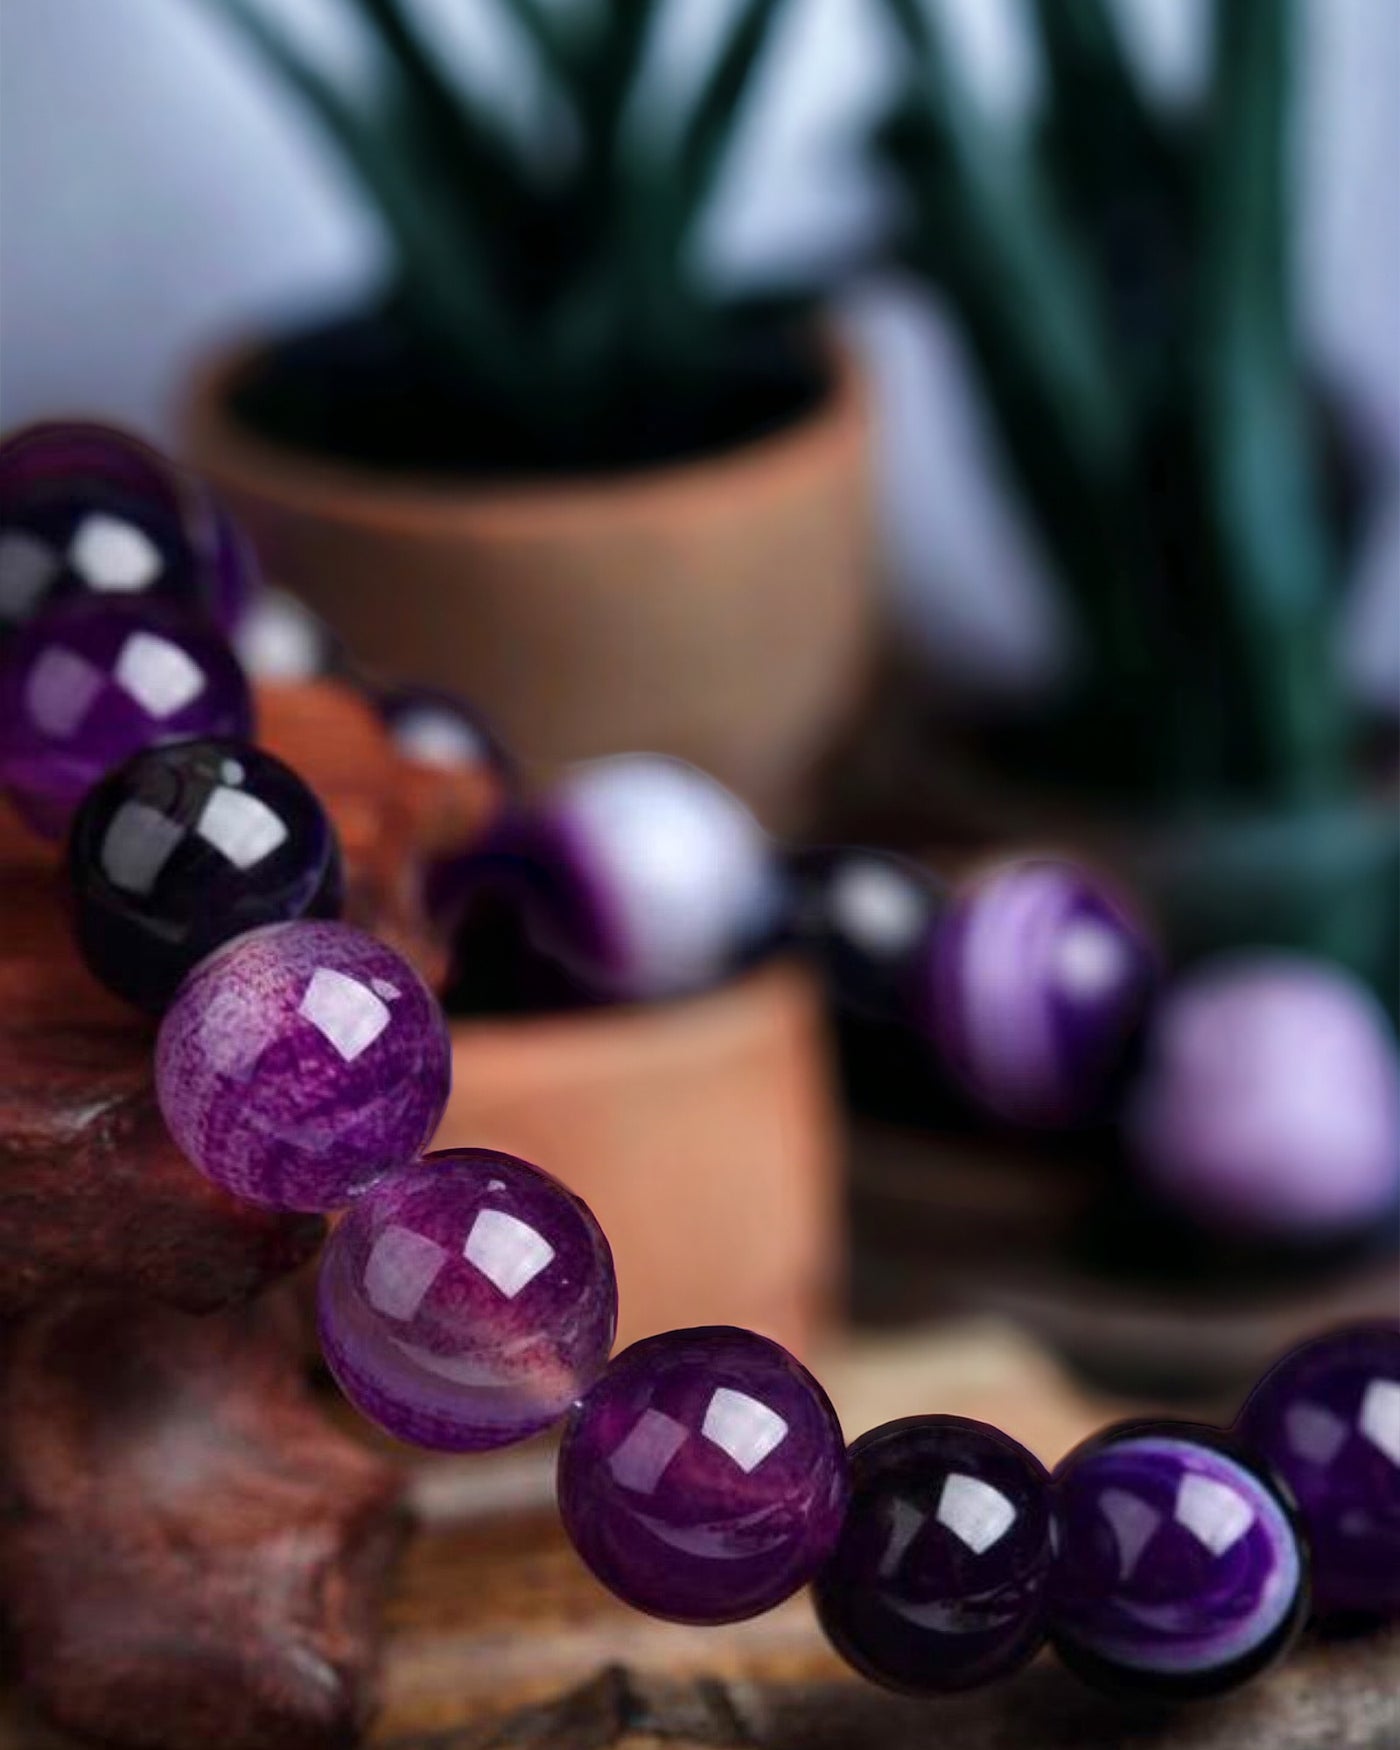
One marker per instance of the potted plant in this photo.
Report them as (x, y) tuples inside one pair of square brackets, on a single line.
[(1122, 276), (553, 467)]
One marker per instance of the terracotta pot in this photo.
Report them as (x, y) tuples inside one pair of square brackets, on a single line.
[(716, 609), (702, 1133)]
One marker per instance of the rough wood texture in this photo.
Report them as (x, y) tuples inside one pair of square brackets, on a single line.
[(192, 1555)]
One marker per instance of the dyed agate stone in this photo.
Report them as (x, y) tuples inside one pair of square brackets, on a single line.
[(88, 685), (1037, 979), (868, 918), (1268, 1105), (279, 639), (938, 1582), (1327, 1420), (187, 846), (301, 1061), (639, 876), (433, 728), (87, 510), (703, 1478), (466, 1301), (1179, 1570)]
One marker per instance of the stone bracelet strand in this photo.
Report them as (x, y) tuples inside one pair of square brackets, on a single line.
[(468, 1301)]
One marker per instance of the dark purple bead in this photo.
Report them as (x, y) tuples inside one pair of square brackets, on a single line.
[(90, 684), (186, 846), (1179, 1571), (299, 1062), (466, 1301), (938, 1580), (433, 728), (1327, 1420), (1037, 979), (703, 1478), (89, 511), (868, 917)]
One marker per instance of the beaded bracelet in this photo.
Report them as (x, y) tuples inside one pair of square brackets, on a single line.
[(467, 1300)]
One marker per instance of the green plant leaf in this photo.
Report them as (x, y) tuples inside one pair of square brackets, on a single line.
[(1264, 504), (444, 280)]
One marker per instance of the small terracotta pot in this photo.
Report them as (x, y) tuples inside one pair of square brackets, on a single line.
[(717, 609), (702, 1133)]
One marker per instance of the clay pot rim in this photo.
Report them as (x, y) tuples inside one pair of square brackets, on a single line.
[(292, 481)]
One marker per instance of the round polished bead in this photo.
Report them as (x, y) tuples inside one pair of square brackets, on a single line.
[(938, 1581), (1179, 1570), (433, 728), (87, 510), (466, 1301), (1327, 1420), (88, 685), (1037, 978), (640, 876), (186, 846), (703, 1478), (299, 1062), (867, 916), (279, 639), (1268, 1105)]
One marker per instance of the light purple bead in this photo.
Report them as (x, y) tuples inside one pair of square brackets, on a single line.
[(299, 1062), (704, 1478), (1178, 1570), (1037, 979), (86, 686), (1269, 1100), (466, 1301)]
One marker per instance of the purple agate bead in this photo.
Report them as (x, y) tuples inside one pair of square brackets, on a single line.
[(88, 685), (185, 847), (938, 1582), (299, 1062), (1268, 1104), (640, 876), (703, 1478), (1036, 980), (1327, 1420), (1179, 1571), (429, 727), (868, 918), (87, 510), (466, 1301)]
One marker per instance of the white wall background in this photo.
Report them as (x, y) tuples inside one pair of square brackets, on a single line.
[(155, 193)]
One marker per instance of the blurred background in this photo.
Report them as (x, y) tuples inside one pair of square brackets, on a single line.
[(158, 191), (968, 431)]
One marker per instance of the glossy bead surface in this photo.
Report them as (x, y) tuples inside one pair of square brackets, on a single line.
[(867, 916), (466, 1301), (279, 639), (433, 728), (641, 876), (87, 510), (1179, 1570), (938, 1581), (1268, 1104), (86, 686), (299, 1062), (703, 1478), (1037, 978), (186, 846), (1327, 1420)]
